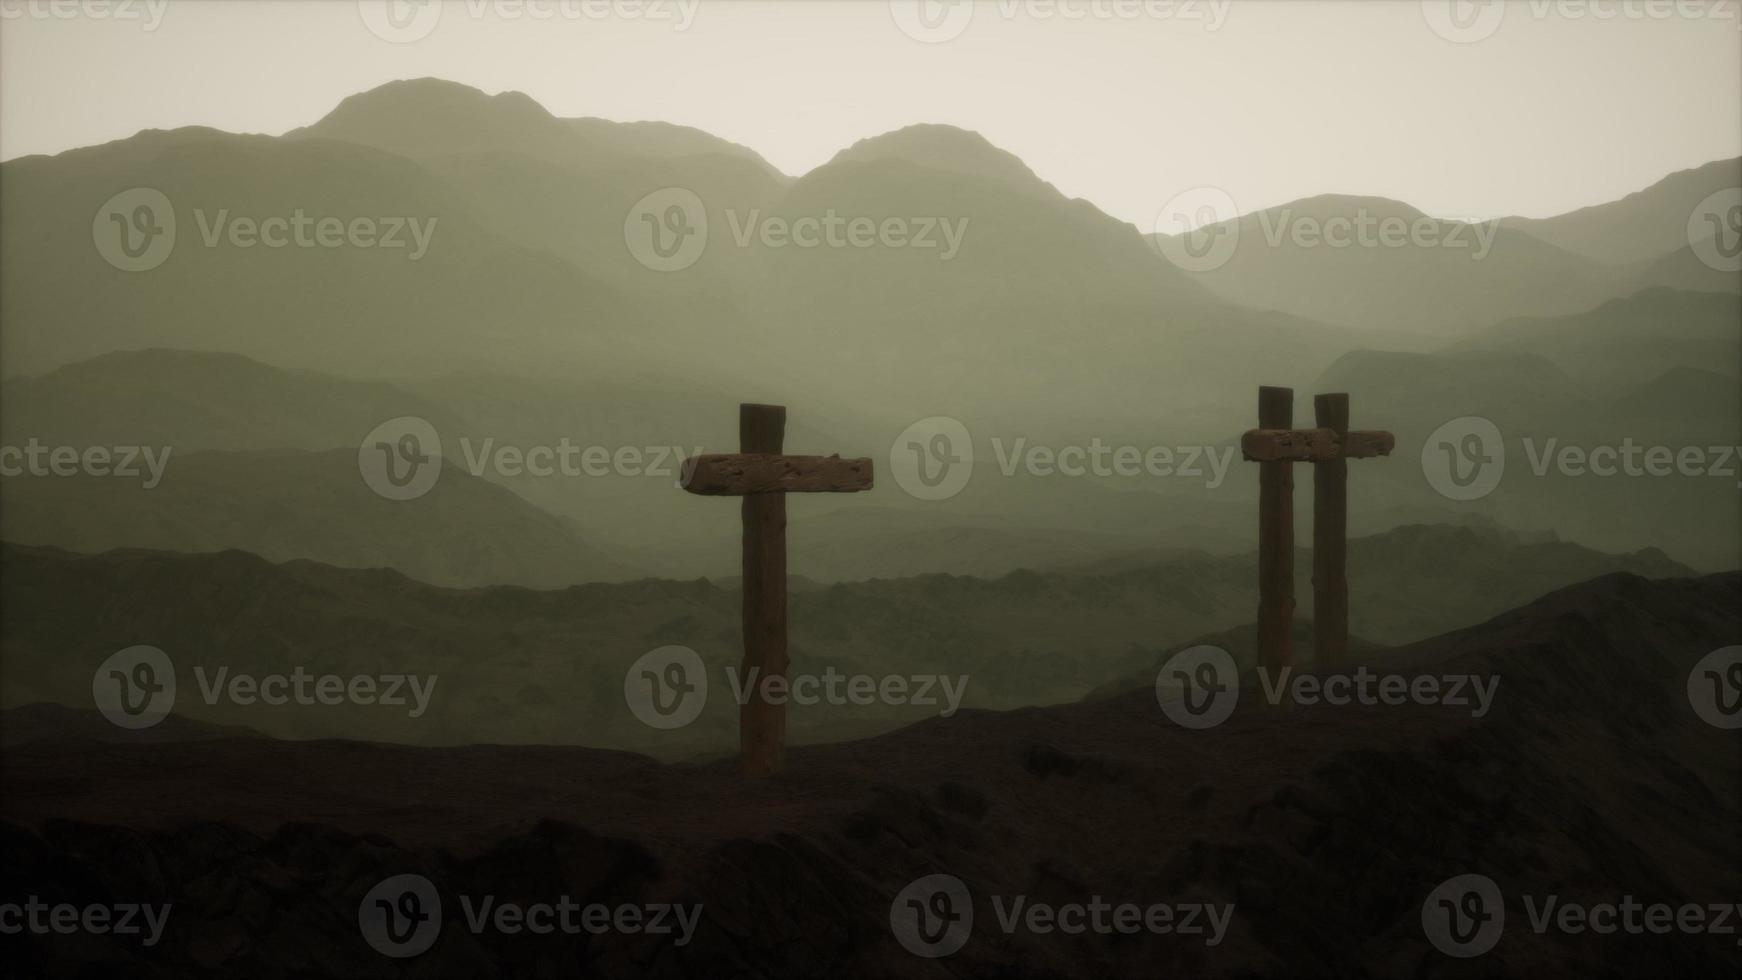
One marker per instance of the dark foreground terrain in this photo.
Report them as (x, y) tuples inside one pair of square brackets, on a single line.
[(1326, 827)]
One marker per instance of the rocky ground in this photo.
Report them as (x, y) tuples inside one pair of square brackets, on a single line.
[(1325, 827)]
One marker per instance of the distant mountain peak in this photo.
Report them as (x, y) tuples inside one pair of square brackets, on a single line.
[(941, 147), (422, 117), (1644, 225), (423, 95), (1348, 206), (662, 139), (435, 116)]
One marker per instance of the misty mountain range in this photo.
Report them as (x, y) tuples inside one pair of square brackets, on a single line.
[(518, 666), (530, 322)]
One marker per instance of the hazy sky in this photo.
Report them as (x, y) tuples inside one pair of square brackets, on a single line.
[(1536, 108)]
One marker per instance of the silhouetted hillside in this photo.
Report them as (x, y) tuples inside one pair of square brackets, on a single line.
[(1383, 265), (1588, 777), (523, 666), (292, 504), (1644, 225)]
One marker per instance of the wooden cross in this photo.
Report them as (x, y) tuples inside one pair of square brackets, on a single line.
[(1276, 447), (760, 474)]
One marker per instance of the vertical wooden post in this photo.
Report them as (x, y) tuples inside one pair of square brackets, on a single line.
[(762, 726), (1275, 538), (1330, 539)]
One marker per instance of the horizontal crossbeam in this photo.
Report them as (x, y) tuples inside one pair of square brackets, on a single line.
[(740, 474), (1313, 445)]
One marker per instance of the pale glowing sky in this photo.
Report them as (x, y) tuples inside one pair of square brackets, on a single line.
[(1270, 101)]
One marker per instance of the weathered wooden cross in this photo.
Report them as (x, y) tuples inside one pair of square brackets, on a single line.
[(760, 474), (1276, 448)]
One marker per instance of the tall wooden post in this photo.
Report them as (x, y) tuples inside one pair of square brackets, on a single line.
[(762, 726), (1330, 538), (1275, 537)]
